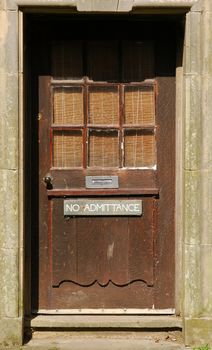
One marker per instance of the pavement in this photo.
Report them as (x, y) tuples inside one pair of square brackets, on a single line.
[(106, 341)]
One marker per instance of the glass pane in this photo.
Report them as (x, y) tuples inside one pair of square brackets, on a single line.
[(140, 149), (103, 148), (67, 60), (137, 60), (68, 106), (67, 149), (139, 105), (103, 105), (103, 60)]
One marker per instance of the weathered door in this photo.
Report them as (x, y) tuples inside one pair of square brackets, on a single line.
[(102, 112)]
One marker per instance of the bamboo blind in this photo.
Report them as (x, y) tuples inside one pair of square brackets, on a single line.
[(104, 105), (68, 106), (67, 60), (103, 149), (139, 106), (140, 149), (67, 149)]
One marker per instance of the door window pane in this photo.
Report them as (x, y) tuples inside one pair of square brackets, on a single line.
[(68, 106), (103, 148), (104, 105), (140, 150), (139, 105), (67, 149)]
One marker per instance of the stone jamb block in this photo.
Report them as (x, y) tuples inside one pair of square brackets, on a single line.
[(9, 209), (192, 207), (11, 333), (193, 44), (207, 122), (192, 123), (9, 292), (9, 121), (8, 5), (206, 208), (197, 7), (207, 42), (192, 281), (9, 42), (206, 279), (198, 331)]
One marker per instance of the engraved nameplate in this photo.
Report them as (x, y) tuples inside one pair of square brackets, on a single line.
[(95, 207), (101, 182)]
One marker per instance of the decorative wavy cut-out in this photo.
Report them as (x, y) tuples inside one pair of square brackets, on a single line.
[(101, 284)]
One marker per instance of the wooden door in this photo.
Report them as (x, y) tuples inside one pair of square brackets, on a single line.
[(102, 112)]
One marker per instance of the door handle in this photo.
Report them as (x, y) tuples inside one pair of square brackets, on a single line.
[(48, 180)]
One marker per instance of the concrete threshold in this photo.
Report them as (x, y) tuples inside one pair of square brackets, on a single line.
[(106, 321)]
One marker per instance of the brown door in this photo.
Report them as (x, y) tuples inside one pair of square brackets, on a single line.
[(104, 113)]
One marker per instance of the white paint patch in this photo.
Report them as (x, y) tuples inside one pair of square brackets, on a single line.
[(110, 250)]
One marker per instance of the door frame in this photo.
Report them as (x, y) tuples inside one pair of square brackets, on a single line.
[(178, 205)]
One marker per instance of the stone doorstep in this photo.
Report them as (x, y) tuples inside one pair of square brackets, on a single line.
[(104, 321)]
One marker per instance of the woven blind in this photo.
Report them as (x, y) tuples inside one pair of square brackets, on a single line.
[(67, 60), (103, 105), (103, 149), (140, 149), (68, 106), (67, 149), (139, 106)]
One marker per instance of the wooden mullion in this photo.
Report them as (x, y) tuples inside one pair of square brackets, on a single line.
[(66, 127), (121, 136), (85, 129)]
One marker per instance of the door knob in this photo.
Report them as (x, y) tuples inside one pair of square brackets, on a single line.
[(48, 180)]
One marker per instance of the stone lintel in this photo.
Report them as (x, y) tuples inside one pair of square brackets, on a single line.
[(108, 5)]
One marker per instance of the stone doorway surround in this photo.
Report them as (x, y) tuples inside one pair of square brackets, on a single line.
[(194, 160)]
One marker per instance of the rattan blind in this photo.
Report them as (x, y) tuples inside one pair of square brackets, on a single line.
[(103, 148), (104, 105), (140, 149), (139, 105), (68, 106), (67, 149)]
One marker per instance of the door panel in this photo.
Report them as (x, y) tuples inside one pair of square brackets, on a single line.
[(110, 122)]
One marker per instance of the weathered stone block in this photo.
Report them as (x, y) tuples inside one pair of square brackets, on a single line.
[(207, 123), (193, 123), (207, 42), (9, 292), (9, 121), (11, 331), (192, 207), (97, 5), (9, 41), (192, 284), (206, 277), (125, 5), (206, 208), (193, 44), (198, 6), (8, 5), (198, 331), (9, 209)]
